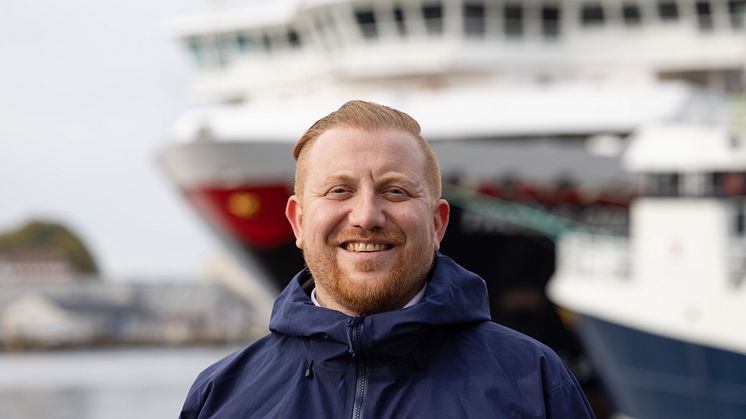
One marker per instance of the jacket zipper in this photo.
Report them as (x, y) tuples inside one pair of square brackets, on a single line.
[(361, 368)]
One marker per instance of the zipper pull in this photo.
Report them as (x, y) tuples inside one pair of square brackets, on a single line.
[(353, 334), (309, 371)]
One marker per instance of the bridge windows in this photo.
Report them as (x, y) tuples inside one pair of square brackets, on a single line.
[(293, 38), (327, 31), (366, 21), (433, 15), (631, 14), (474, 19), (401, 27), (513, 20), (592, 14), (246, 43), (196, 50), (267, 42), (550, 21), (668, 11), (704, 15), (663, 184), (697, 184), (737, 11), (531, 21)]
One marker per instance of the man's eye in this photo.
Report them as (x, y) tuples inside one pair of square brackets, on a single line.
[(397, 193), (338, 191)]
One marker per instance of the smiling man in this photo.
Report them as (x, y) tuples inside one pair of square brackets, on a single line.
[(379, 324)]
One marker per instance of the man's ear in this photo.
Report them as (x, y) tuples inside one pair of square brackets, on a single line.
[(294, 214), (440, 221)]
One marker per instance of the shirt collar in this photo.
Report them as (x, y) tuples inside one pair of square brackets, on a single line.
[(416, 299)]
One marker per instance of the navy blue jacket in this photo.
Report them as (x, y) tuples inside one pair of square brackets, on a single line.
[(441, 357)]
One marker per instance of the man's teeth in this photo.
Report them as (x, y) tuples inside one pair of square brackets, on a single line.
[(365, 247)]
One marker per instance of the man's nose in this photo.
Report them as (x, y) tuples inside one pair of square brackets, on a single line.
[(367, 212)]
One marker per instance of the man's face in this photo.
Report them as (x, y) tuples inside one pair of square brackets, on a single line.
[(366, 221)]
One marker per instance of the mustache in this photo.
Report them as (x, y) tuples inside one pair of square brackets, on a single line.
[(392, 237)]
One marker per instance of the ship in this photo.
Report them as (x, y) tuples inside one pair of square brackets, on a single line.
[(527, 104), (662, 311)]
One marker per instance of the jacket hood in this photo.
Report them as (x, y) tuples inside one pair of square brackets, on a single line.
[(453, 296)]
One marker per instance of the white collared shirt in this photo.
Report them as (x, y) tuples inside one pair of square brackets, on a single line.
[(416, 299)]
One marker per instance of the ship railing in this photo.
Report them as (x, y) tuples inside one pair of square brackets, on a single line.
[(531, 218), (594, 255)]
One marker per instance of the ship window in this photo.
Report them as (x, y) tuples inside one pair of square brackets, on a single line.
[(631, 14), (668, 10), (293, 38), (245, 43), (592, 14), (366, 20), (326, 27), (267, 42), (195, 48), (433, 15), (550, 21), (513, 17), (704, 15), (222, 47), (737, 10), (474, 19), (401, 27), (664, 184), (730, 184)]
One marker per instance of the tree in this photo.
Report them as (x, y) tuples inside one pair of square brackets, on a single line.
[(53, 238)]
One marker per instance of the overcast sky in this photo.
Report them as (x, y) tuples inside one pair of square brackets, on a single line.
[(88, 92)]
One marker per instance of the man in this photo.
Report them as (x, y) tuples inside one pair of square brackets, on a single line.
[(379, 324)]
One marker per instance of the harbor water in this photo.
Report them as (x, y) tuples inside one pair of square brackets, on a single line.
[(100, 384)]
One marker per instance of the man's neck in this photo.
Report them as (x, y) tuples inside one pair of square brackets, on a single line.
[(414, 300)]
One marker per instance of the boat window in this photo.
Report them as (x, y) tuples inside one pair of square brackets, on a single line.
[(267, 42), (550, 21), (195, 48), (704, 15), (433, 15), (737, 10), (224, 47), (246, 43), (513, 20), (326, 27), (401, 27), (474, 18), (293, 38), (366, 21), (668, 10), (592, 14), (322, 35), (729, 184), (631, 14), (664, 184)]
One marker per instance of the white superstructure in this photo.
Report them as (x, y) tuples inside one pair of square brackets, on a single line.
[(682, 272), (286, 47), (466, 69)]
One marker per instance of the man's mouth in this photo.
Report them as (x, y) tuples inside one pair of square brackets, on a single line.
[(365, 247)]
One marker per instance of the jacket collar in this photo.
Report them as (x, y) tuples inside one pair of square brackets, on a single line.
[(453, 296)]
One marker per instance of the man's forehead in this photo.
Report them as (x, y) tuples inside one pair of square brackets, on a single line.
[(380, 140)]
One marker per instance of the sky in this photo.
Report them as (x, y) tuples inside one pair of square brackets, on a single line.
[(88, 92)]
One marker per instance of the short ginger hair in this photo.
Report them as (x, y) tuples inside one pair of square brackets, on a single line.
[(368, 116)]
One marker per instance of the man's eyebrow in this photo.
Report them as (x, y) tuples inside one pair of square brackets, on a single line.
[(338, 177), (334, 179), (396, 177)]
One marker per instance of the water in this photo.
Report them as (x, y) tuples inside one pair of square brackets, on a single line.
[(101, 384)]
